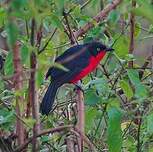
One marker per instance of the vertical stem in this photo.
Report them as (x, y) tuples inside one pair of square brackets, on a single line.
[(139, 131), (132, 29), (101, 4), (18, 84), (33, 99), (80, 124)]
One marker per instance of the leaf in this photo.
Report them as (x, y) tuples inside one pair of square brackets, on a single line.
[(144, 9), (121, 45), (25, 54), (18, 3), (40, 77), (137, 30), (7, 119), (126, 89), (44, 138), (150, 124), (12, 32), (129, 143), (1, 84), (29, 121), (134, 76), (140, 90), (91, 98), (114, 16), (101, 85), (56, 21), (60, 5), (114, 138), (8, 65), (90, 115), (2, 16)]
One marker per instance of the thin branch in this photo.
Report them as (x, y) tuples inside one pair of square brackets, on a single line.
[(98, 18), (18, 84), (132, 29), (71, 34), (33, 99), (80, 119), (52, 130)]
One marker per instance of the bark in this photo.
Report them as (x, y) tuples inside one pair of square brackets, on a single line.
[(80, 122), (18, 84), (132, 29), (98, 18), (33, 98)]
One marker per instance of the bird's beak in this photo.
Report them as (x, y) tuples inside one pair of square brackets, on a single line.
[(109, 49)]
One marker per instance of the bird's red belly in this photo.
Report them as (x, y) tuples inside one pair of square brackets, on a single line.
[(94, 61)]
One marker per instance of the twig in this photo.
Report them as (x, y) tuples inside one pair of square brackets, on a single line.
[(52, 130), (80, 121), (70, 34), (101, 16), (18, 84), (132, 29), (138, 134), (45, 46), (77, 132), (33, 99)]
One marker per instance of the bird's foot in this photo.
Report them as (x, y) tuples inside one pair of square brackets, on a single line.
[(79, 86)]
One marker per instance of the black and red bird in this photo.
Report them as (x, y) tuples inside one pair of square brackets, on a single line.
[(80, 60)]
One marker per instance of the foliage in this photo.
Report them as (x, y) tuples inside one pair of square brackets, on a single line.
[(118, 98)]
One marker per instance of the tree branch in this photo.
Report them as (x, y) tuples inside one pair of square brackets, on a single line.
[(101, 16), (132, 29)]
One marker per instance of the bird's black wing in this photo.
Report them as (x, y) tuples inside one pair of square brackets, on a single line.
[(75, 57)]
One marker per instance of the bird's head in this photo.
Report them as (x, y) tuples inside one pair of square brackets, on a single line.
[(96, 47)]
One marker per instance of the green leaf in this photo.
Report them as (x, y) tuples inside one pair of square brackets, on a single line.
[(2, 16), (114, 16), (145, 10), (8, 65), (18, 3), (140, 90), (126, 89), (44, 138), (121, 45), (29, 121), (150, 124), (101, 85), (60, 5), (91, 98), (114, 130), (7, 119), (1, 84), (56, 21), (25, 54), (90, 115), (12, 32), (40, 77), (134, 76), (137, 30)]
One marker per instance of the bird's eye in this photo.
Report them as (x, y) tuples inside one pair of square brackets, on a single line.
[(98, 49)]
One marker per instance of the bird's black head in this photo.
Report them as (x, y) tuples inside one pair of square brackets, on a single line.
[(97, 47)]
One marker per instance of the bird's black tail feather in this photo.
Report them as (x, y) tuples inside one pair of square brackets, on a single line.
[(49, 97)]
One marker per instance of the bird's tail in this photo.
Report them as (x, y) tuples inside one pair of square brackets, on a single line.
[(49, 97)]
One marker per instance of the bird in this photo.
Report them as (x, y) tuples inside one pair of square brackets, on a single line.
[(79, 60)]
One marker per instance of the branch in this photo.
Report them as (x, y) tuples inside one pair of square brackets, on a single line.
[(52, 130), (18, 84), (33, 99), (132, 29), (80, 119), (101, 16)]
